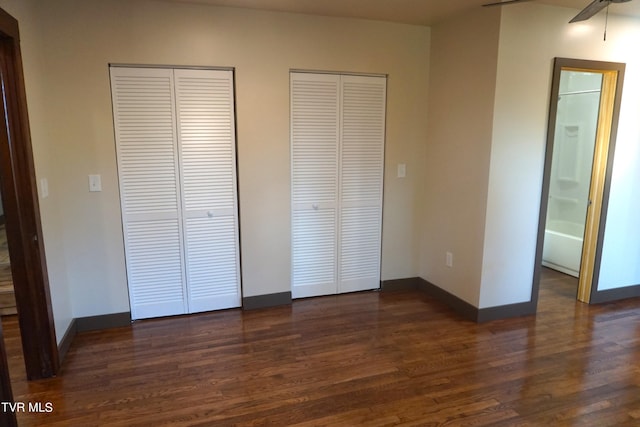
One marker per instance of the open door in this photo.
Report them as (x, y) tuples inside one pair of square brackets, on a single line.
[(579, 157)]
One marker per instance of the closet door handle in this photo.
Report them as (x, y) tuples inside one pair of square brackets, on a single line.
[(315, 206), (210, 214)]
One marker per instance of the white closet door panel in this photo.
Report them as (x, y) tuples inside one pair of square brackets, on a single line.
[(145, 133), (154, 269), (361, 180), (144, 119), (314, 180), (360, 248), (314, 136), (363, 132), (314, 253), (206, 140), (212, 260)]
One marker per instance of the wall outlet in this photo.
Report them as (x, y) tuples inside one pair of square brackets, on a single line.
[(449, 259)]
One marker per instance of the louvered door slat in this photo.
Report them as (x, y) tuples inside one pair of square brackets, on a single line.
[(144, 118), (314, 175), (362, 166), (206, 139)]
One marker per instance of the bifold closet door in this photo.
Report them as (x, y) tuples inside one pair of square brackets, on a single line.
[(361, 177), (337, 143), (175, 142), (144, 119), (206, 139), (315, 120)]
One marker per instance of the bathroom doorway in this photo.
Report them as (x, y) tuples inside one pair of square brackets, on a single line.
[(578, 104), (583, 116)]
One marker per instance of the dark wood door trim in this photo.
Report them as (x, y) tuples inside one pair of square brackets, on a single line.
[(24, 231)]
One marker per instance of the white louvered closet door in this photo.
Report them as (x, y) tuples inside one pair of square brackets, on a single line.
[(175, 141), (337, 140), (314, 154), (361, 178), (206, 140), (144, 119)]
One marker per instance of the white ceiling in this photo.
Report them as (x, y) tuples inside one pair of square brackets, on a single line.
[(418, 12)]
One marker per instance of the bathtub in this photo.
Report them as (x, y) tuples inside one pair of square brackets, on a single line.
[(562, 249)]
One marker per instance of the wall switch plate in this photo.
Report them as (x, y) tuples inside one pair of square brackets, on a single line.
[(44, 188), (449, 259), (95, 183), (402, 170)]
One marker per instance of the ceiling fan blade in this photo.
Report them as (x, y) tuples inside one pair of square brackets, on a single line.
[(502, 3), (593, 8)]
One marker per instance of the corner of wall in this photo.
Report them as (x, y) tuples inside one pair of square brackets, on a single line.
[(464, 56)]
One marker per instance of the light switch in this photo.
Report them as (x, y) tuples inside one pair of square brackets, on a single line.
[(95, 183), (402, 170), (44, 188)]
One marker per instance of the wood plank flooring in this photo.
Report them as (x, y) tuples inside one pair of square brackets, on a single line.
[(7, 296), (373, 359)]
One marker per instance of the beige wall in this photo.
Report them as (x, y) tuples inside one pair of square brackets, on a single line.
[(68, 45), (488, 108), (461, 93)]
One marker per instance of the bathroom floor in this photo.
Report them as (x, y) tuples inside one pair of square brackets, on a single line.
[(555, 283)]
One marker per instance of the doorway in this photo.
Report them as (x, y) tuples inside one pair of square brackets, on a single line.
[(22, 213), (583, 117)]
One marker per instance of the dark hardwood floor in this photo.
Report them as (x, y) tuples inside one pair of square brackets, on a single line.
[(374, 359)]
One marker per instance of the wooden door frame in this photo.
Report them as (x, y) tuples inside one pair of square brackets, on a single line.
[(613, 75), (22, 212), (592, 243)]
